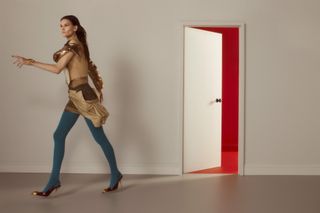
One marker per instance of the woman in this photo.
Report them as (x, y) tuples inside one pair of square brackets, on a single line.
[(83, 99)]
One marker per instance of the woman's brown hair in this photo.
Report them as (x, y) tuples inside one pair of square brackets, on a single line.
[(82, 36)]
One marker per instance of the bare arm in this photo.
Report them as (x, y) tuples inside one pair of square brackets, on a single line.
[(54, 68)]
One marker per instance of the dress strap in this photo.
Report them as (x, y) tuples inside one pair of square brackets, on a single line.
[(83, 77), (77, 81)]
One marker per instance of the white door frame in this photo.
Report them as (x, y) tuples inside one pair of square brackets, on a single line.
[(241, 106)]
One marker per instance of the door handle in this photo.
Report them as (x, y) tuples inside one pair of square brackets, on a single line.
[(215, 101)]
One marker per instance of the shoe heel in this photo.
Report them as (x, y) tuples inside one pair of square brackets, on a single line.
[(56, 189), (118, 185)]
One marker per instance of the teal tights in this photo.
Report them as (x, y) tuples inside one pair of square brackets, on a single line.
[(67, 120)]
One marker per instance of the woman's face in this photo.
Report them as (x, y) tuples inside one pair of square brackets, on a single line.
[(67, 28)]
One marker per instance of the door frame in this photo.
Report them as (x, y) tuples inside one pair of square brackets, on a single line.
[(241, 103)]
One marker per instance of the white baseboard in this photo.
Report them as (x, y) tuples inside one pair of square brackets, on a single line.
[(159, 169), (94, 168), (281, 169)]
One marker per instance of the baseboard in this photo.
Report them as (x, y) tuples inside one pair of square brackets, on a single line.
[(95, 168), (161, 169), (281, 169)]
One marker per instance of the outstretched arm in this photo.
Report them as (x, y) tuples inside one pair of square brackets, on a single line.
[(54, 68)]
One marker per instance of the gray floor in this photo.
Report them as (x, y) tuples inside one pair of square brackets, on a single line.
[(161, 193)]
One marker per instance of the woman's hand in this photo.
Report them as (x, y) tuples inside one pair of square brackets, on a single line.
[(22, 61)]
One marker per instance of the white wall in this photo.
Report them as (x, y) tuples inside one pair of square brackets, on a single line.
[(135, 45)]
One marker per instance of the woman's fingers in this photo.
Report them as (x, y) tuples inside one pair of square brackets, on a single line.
[(19, 60), (16, 61), (16, 56)]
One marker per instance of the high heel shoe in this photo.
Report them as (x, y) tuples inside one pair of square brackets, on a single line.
[(48, 192), (109, 189)]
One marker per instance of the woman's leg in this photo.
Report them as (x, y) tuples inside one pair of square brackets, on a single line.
[(66, 122), (107, 149)]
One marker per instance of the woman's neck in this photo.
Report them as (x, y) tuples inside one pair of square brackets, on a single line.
[(73, 38)]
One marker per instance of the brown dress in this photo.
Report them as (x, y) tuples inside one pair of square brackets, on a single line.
[(87, 91), (83, 99)]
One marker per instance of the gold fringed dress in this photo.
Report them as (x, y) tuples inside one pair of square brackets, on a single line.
[(83, 99)]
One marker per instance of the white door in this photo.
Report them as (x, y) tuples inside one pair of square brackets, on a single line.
[(202, 99)]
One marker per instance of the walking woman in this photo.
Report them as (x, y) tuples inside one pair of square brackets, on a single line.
[(74, 59)]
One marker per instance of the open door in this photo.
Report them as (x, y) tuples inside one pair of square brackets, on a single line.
[(202, 99)]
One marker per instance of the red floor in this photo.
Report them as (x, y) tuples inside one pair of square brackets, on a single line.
[(229, 164)]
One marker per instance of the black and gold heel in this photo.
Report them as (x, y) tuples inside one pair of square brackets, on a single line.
[(47, 193), (115, 187)]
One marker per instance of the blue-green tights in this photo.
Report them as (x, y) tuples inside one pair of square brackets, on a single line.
[(67, 120)]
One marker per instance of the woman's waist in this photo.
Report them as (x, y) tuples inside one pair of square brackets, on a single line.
[(75, 82), (81, 86), (87, 91)]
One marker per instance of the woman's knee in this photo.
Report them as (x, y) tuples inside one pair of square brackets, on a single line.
[(59, 135)]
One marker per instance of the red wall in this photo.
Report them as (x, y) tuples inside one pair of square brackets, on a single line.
[(230, 85)]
